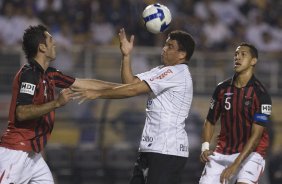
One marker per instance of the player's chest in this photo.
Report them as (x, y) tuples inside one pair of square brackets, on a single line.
[(45, 89), (240, 99)]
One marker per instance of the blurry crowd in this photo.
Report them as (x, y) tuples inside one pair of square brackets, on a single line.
[(215, 24)]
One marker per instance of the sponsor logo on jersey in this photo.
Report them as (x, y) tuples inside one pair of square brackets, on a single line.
[(247, 103), (183, 148), (149, 102), (147, 139), (266, 109), (248, 100), (27, 88), (212, 102), (163, 75), (228, 94)]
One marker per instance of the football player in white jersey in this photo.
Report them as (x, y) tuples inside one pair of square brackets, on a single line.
[(164, 143)]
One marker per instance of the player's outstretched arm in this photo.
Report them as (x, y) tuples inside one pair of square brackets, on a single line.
[(93, 84), (27, 112), (124, 91), (252, 143)]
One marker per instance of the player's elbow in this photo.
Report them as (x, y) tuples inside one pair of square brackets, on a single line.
[(20, 115), (131, 80), (132, 92)]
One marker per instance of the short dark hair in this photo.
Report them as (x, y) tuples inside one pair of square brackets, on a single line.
[(32, 37), (185, 42), (253, 49)]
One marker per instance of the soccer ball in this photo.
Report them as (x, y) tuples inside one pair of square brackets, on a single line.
[(157, 18)]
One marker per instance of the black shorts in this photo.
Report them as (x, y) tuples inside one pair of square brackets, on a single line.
[(155, 168)]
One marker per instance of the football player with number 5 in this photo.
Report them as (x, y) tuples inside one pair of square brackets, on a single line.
[(244, 108)]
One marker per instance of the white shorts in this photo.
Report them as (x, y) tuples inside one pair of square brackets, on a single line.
[(20, 167), (249, 172)]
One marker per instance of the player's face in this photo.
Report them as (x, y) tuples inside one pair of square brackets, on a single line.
[(50, 44), (171, 55), (243, 60)]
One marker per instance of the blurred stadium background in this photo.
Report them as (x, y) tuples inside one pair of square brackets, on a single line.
[(97, 142)]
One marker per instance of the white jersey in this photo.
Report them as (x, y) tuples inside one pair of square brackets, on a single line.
[(167, 108)]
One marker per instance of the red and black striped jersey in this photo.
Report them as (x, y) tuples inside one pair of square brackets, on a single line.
[(33, 85), (238, 109)]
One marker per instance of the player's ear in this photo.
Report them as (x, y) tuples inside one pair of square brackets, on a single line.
[(254, 61), (182, 55), (42, 47)]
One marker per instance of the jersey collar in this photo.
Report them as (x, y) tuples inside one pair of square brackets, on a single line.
[(36, 64), (250, 82)]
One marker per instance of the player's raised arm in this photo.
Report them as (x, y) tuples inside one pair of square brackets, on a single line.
[(126, 47)]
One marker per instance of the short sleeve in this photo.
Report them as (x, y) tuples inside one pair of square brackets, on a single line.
[(215, 107), (61, 80), (163, 80), (262, 114), (27, 86)]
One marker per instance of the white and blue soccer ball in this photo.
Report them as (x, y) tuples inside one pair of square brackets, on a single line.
[(157, 18)]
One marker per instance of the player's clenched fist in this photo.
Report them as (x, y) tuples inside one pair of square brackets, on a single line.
[(204, 157)]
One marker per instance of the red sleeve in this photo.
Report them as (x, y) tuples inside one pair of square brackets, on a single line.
[(215, 106), (28, 81), (61, 80)]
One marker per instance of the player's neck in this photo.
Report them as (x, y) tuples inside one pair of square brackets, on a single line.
[(243, 78), (43, 62)]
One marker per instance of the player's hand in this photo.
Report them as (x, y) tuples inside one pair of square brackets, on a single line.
[(64, 97), (204, 157), (228, 173), (125, 45), (84, 94)]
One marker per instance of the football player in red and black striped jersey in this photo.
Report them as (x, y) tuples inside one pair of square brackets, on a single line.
[(32, 109), (244, 107)]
